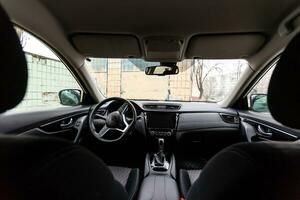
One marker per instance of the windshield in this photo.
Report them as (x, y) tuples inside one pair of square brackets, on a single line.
[(198, 80)]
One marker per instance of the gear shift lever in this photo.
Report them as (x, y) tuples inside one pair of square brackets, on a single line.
[(161, 145), (159, 158), (159, 161)]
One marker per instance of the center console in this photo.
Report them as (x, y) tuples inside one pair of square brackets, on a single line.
[(161, 124), (160, 162), (160, 171), (160, 175)]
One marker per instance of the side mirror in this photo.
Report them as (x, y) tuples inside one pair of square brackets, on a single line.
[(259, 102), (70, 97), (162, 70)]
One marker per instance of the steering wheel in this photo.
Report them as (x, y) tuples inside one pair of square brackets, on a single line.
[(117, 124)]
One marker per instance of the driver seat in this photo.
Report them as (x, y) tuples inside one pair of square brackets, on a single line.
[(47, 168)]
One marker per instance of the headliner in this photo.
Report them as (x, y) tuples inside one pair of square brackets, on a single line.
[(169, 17), (181, 19)]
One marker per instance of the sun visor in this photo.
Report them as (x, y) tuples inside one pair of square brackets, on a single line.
[(107, 46), (224, 46)]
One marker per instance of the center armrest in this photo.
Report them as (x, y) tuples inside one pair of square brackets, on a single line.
[(158, 187)]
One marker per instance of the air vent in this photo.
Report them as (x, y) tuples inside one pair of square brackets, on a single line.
[(172, 107), (162, 106), (232, 119), (150, 107)]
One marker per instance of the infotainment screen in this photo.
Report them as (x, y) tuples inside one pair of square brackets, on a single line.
[(161, 120)]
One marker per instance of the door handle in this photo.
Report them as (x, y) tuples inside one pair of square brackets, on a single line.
[(262, 132), (66, 124)]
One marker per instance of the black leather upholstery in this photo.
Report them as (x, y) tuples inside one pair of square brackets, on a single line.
[(13, 68), (44, 168), (247, 171), (284, 90), (129, 179), (187, 179)]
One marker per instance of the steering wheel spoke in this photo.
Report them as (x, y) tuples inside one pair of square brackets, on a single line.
[(101, 116), (126, 124), (103, 131), (123, 108)]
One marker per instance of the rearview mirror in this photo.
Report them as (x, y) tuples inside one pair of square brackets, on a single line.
[(259, 103), (162, 70), (70, 97)]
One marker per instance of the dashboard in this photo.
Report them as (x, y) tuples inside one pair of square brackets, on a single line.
[(187, 122), (192, 124), (165, 119)]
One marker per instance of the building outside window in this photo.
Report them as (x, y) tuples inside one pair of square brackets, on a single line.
[(99, 64)]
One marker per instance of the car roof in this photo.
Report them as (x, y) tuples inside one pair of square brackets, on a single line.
[(182, 28)]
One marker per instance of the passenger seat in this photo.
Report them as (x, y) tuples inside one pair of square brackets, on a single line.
[(187, 177)]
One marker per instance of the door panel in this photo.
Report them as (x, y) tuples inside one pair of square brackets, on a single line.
[(52, 122), (261, 126)]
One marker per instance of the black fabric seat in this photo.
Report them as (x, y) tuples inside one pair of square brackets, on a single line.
[(129, 179), (47, 168), (261, 170), (187, 178)]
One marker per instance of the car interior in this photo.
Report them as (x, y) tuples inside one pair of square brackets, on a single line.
[(150, 100)]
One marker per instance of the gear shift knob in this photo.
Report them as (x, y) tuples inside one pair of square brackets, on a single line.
[(159, 160), (161, 144)]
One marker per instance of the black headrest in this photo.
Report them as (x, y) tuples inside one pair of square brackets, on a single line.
[(13, 69), (284, 90)]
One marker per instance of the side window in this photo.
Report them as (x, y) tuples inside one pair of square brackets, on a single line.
[(257, 98), (50, 83)]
